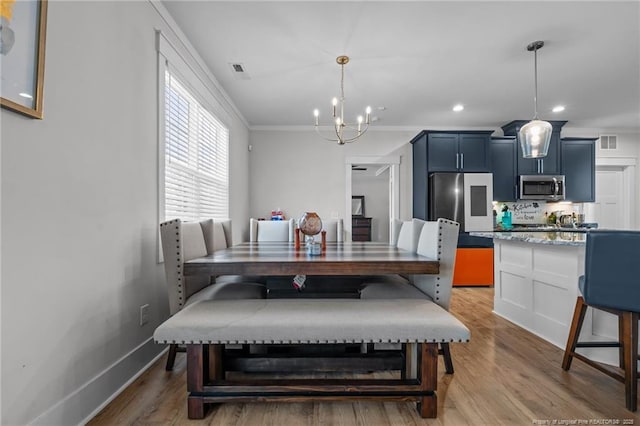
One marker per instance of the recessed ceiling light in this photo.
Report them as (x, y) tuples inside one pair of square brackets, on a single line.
[(458, 108), (25, 95), (558, 108)]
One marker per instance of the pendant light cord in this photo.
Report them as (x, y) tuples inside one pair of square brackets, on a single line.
[(535, 83)]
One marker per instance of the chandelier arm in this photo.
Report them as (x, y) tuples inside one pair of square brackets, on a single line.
[(353, 139), (324, 137)]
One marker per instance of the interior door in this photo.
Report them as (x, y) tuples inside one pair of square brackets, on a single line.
[(608, 209)]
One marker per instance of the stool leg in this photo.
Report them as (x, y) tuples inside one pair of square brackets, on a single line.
[(620, 339), (629, 325), (574, 332)]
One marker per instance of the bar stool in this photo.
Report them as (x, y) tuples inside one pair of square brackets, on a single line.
[(611, 283)]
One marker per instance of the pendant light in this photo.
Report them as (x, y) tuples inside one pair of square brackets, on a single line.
[(535, 136)]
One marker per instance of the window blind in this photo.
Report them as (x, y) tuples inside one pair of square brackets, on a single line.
[(196, 157)]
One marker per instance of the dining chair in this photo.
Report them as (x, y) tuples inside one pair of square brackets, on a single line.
[(437, 240), (611, 283), (404, 235), (183, 241), (271, 230)]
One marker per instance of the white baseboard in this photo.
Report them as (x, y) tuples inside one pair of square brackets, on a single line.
[(85, 402)]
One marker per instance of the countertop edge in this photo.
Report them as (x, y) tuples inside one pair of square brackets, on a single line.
[(562, 238)]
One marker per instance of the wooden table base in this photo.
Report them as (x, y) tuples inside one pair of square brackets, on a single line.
[(206, 383)]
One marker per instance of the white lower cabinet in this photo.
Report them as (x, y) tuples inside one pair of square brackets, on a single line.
[(536, 286)]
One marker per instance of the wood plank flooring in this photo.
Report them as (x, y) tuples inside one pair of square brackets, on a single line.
[(504, 376)]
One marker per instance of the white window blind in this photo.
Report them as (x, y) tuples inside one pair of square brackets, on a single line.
[(196, 157)]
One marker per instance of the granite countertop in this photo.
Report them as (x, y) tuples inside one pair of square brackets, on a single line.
[(564, 238)]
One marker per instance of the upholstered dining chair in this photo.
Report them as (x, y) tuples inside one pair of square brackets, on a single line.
[(271, 230), (404, 235), (183, 241), (611, 282), (437, 240)]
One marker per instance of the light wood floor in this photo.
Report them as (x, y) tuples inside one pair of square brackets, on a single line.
[(504, 376)]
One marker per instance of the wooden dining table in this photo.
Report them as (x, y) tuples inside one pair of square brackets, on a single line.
[(338, 258)]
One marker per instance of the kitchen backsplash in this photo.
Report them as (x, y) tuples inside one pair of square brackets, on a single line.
[(533, 212)]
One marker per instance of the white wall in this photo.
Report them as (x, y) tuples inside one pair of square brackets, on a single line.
[(79, 216), (376, 201), (298, 171)]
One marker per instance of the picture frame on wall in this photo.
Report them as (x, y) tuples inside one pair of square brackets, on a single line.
[(357, 206), (23, 26)]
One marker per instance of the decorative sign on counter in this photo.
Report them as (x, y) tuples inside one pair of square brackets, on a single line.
[(527, 212)]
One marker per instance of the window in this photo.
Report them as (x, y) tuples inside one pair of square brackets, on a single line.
[(196, 175)]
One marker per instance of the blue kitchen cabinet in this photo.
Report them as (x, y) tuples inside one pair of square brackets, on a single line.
[(458, 151), (578, 168), (446, 151), (549, 165), (503, 167)]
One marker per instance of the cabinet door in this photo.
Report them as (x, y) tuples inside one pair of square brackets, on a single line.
[(442, 152), (503, 167), (578, 167), (475, 152), (549, 165)]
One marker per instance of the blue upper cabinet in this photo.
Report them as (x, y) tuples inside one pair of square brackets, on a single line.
[(453, 151), (446, 151), (578, 168), (503, 167), (549, 165)]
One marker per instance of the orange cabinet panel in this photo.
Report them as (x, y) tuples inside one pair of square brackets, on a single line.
[(474, 267)]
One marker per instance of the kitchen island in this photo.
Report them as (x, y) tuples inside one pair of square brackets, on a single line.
[(536, 287)]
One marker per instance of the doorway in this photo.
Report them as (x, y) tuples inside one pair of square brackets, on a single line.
[(375, 178), (615, 195)]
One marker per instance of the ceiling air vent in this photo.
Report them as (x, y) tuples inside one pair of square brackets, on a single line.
[(608, 142), (239, 71)]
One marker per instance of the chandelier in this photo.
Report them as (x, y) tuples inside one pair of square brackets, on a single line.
[(344, 132), (535, 136)]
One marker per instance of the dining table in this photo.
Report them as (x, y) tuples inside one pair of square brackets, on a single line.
[(336, 258)]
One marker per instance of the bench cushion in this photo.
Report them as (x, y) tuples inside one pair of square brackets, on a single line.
[(310, 321)]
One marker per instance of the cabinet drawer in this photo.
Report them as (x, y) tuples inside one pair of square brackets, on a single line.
[(361, 221)]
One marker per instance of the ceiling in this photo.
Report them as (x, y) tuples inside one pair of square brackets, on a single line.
[(417, 59)]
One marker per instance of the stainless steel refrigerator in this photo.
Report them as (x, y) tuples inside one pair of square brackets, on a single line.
[(466, 198)]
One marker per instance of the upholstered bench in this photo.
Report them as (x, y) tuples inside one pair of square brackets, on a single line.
[(205, 326)]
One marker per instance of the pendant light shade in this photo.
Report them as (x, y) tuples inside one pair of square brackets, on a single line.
[(535, 136)]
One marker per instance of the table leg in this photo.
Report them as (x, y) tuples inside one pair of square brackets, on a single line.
[(195, 381), (428, 373)]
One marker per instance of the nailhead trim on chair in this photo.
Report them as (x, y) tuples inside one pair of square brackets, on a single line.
[(179, 266)]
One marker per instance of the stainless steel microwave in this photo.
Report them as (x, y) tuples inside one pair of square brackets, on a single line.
[(542, 187)]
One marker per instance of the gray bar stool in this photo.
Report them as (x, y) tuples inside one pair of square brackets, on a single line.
[(611, 282)]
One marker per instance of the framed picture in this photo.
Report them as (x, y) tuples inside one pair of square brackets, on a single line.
[(23, 26), (357, 205)]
